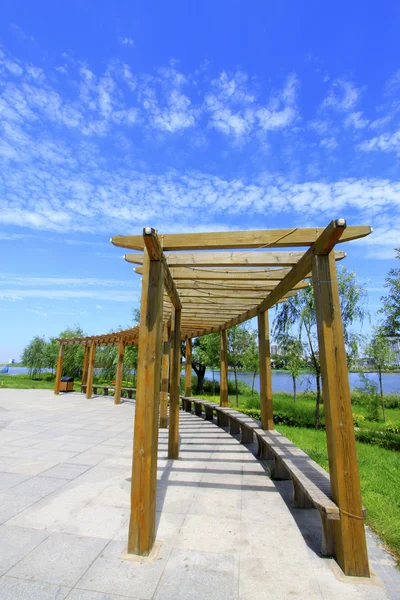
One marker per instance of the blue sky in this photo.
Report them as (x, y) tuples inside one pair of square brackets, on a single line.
[(186, 116)]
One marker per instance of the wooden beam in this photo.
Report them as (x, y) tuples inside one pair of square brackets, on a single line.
[(154, 249), (223, 386), (227, 273), (85, 365), (60, 359), (264, 351), (145, 443), (221, 259), (239, 285), (188, 368), (165, 377), (273, 238), (349, 534), (120, 372), (173, 431), (89, 383), (323, 245)]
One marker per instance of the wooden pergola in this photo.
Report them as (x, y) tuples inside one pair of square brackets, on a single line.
[(192, 286)]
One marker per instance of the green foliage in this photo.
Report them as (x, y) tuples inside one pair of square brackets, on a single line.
[(297, 316), (205, 353), (239, 340), (383, 439), (368, 396), (73, 354), (379, 476), (34, 356), (391, 302)]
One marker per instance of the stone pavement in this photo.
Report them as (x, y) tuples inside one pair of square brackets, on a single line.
[(224, 529)]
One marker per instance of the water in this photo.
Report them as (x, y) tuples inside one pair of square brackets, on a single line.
[(281, 381)]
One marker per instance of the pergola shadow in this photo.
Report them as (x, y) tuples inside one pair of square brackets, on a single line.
[(187, 294)]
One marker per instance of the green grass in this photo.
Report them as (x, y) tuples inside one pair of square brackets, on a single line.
[(379, 476), (24, 382)]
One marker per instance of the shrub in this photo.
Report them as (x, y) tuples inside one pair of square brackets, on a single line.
[(368, 396), (383, 439)]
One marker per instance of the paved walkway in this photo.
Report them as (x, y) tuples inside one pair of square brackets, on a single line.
[(224, 527)]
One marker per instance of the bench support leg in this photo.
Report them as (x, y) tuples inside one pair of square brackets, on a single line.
[(222, 419), (280, 471), (246, 435), (234, 426), (197, 409), (208, 413), (328, 537), (300, 500)]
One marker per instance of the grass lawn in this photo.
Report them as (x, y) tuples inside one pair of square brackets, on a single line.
[(379, 475)]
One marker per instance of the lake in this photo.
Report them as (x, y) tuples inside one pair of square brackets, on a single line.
[(282, 382)]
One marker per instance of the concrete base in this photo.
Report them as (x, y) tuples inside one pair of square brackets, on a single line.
[(224, 529)]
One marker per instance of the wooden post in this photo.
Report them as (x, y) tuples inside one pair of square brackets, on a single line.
[(120, 372), (223, 386), (59, 369), (173, 432), (264, 352), (85, 365), (349, 533), (165, 377), (188, 368), (89, 383), (145, 443)]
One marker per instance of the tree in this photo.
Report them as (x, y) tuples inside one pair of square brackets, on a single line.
[(391, 302), (34, 356), (380, 352), (73, 354), (208, 351), (251, 360), (238, 343), (205, 353), (293, 350), (51, 354), (298, 314)]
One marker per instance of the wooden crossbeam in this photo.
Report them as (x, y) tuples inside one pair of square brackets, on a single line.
[(234, 285), (221, 259), (227, 273), (155, 253), (323, 245), (273, 238)]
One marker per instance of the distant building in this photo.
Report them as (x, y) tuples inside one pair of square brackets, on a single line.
[(11, 361), (275, 349), (395, 347)]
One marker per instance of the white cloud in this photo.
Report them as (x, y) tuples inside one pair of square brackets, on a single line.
[(356, 120), (386, 142), (329, 142), (342, 96), (126, 41)]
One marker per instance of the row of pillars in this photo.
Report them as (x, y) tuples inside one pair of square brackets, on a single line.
[(159, 346), (89, 358), (349, 534)]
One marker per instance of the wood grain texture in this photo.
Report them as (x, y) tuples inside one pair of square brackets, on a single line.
[(173, 431), (165, 376), (223, 394), (120, 372), (60, 359), (188, 367), (273, 238), (145, 444), (264, 353), (89, 383), (85, 365), (350, 542)]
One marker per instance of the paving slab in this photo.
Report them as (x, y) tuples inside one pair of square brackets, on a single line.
[(20, 589), (223, 528)]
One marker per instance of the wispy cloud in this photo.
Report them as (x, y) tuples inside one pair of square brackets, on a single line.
[(126, 41)]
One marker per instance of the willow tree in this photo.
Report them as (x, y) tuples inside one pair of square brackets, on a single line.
[(391, 302), (297, 317)]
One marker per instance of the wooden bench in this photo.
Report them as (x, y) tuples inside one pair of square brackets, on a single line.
[(311, 483), (106, 388)]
